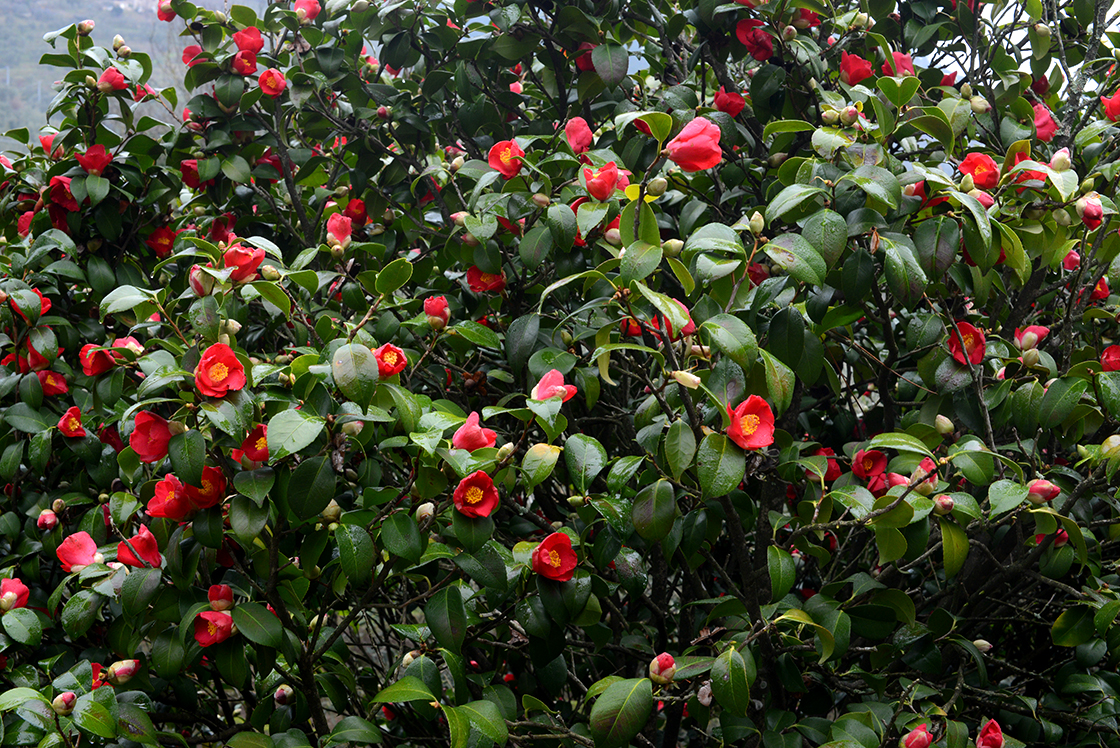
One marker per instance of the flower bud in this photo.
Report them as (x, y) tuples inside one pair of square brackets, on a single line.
[(943, 425), (63, 704), (505, 451), (662, 668), (860, 20), (777, 159), (177, 427), (118, 42), (979, 104), (983, 645), (686, 379), (942, 504), (541, 200), (124, 52), (47, 521), (830, 116), (457, 163), (1062, 217), (201, 282), (121, 671), (284, 695), (352, 428), (924, 485), (332, 512), (269, 272), (1061, 161), (919, 737), (967, 184), (966, 91), (672, 247), (575, 502), (231, 327), (409, 657), (360, 6), (849, 115), (704, 694), (1090, 210), (757, 223), (425, 511), (657, 186), (1042, 491), (220, 597), (1030, 357), (789, 33), (1042, 30), (700, 351), (85, 27), (383, 112), (613, 237)]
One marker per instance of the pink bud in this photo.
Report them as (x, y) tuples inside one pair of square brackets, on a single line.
[(64, 703), (1071, 261), (1090, 209), (284, 695), (662, 668), (121, 671), (919, 737), (202, 283), (47, 521), (943, 504), (383, 112), (1060, 161), (983, 645), (921, 485), (894, 479), (221, 597), (1042, 491)]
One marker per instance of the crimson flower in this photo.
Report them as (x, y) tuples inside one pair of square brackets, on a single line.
[(145, 544), (900, 64), (482, 282), (602, 182), (192, 55), (71, 423), (697, 146), (219, 371), (111, 80), (758, 42), (95, 361), (52, 383), (77, 552), (554, 558), (832, 470), (220, 597), (390, 360), (854, 69), (212, 627), (470, 436), (170, 500), (752, 423), (13, 594), (968, 345), (95, 160), (476, 496), (355, 210), (919, 737), (1110, 358), (272, 82), (983, 168), (578, 134), (991, 736), (164, 11), (869, 463), (149, 437), (212, 490), (188, 169), (249, 40), (1030, 337), (1112, 106), (244, 262), (307, 10), (552, 385), (339, 228), (245, 63), (729, 103), (505, 157), (255, 446), (437, 311), (162, 240), (1044, 125)]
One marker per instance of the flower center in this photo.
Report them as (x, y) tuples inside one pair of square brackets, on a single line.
[(211, 628), (474, 495), (868, 464), (74, 424), (207, 488), (749, 423), (506, 155), (969, 340), (170, 495), (389, 357), (554, 559), (262, 444)]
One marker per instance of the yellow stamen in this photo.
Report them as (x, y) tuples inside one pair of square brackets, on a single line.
[(474, 495), (218, 372), (749, 423), (554, 559), (262, 444)]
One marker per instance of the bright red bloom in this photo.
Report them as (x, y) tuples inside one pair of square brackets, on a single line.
[(971, 348), (221, 228), (476, 496), (583, 60), (1100, 291), (272, 82), (95, 361), (578, 134), (23, 225), (145, 544), (832, 469), (307, 10), (164, 12), (220, 597), (244, 63), (1112, 106), (244, 262), (355, 210), (219, 371), (481, 282), (919, 737), (1041, 86), (752, 423), (52, 383), (758, 42), (991, 736), (61, 195), (212, 627), (13, 594), (868, 463), (249, 40), (111, 80), (339, 228), (602, 182), (554, 558), (435, 307), (729, 103), (900, 65), (71, 422), (697, 146), (95, 160), (77, 552), (1030, 337), (170, 500), (1110, 358), (188, 168), (854, 69), (552, 385), (192, 55), (505, 157), (983, 168), (149, 437), (948, 79), (255, 445), (470, 436), (109, 435), (390, 360), (1044, 125), (162, 240), (212, 490)]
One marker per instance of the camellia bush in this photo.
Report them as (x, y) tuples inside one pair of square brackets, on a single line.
[(547, 373)]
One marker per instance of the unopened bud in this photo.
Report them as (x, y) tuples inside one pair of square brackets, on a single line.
[(284, 695), (1110, 447), (220, 597), (943, 425), (63, 704), (425, 511), (777, 160), (830, 116), (409, 657), (662, 669), (1061, 160), (541, 200), (231, 327), (979, 104), (686, 379), (1062, 217), (85, 27), (58, 505), (124, 52), (1030, 357), (352, 428), (457, 163), (860, 20), (849, 115), (672, 247), (942, 504), (383, 112), (613, 237), (8, 601), (968, 184), (332, 512), (700, 351), (575, 502), (1042, 30), (360, 6), (177, 427), (1042, 491), (121, 671), (470, 239), (460, 218), (657, 186), (983, 645), (118, 42), (47, 521), (269, 272), (505, 451), (201, 282), (966, 91), (757, 223)]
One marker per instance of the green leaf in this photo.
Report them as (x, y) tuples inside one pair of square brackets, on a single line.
[(621, 712), (123, 299), (654, 510), (640, 260), (585, 458), (721, 465), (354, 730), (1074, 627), (537, 242), (729, 682), (393, 276), (254, 484), (485, 716), (271, 292), (17, 697), (258, 624), (311, 488), (23, 625), (786, 125), (139, 587), (954, 546), (795, 255), (80, 612), (734, 337), (408, 688), (611, 63), (666, 306), (137, 725), (901, 442), (1059, 401), (783, 572), (1005, 495), (790, 199), (477, 334), (23, 417), (538, 463), (878, 183), (354, 368), (92, 717), (561, 223), (680, 448), (188, 456), (356, 551), (447, 618), (291, 430)]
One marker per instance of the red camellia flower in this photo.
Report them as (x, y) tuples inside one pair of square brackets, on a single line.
[(971, 348), (244, 63), (476, 496), (52, 383), (1112, 106), (729, 103), (697, 146), (868, 463), (752, 423), (554, 558), (162, 240), (919, 737), (212, 490), (192, 55), (44, 305), (272, 82), (164, 11), (146, 547), (77, 552), (481, 282), (307, 10), (212, 627), (900, 64), (1100, 291), (188, 168), (220, 597), (339, 229), (854, 69), (244, 262), (983, 168), (437, 311), (758, 42), (95, 160), (95, 361), (390, 361), (991, 736), (170, 500), (583, 59), (249, 40), (470, 436), (111, 80), (13, 594), (552, 385), (505, 157), (948, 79), (832, 469), (219, 371), (1030, 337), (601, 182), (71, 422), (578, 134), (1110, 358), (149, 437), (255, 446), (1044, 125), (61, 195), (355, 210)]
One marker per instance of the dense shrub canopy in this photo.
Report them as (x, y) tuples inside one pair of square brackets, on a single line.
[(582, 373)]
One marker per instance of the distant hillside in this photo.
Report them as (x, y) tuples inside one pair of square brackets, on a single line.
[(25, 86)]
